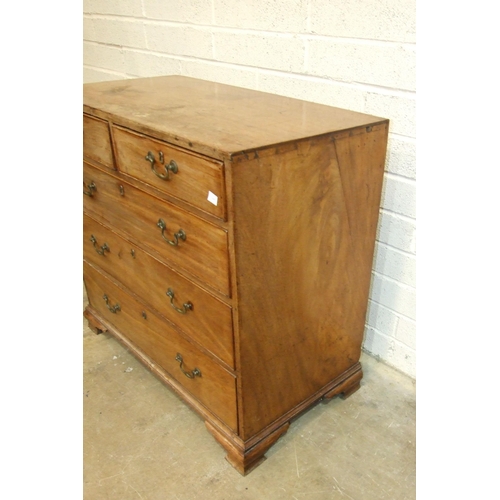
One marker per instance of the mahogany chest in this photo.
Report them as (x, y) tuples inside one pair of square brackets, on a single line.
[(228, 243)]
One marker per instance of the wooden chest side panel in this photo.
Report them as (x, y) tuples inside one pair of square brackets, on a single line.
[(300, 303), (361, 160)]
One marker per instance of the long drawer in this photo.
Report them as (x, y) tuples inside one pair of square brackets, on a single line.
[(204, 318), (186, 242), (205, 379), (191, 177)]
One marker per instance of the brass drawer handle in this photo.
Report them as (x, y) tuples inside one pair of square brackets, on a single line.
[(114, 309), (91, 188), (185, 307), (192, 373), (171, 167), (103, 248), (179, 234)]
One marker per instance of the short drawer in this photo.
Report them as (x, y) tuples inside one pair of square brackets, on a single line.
[(185, 242), (205, 379), (203, 317), (96, 141), (192, 178)]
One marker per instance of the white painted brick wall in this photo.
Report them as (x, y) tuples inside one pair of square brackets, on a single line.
[(393, 295), (190, 12), (395, 264), (270, 51), (141, 62), (398, 195), (392, 20), (354, 54), (179, 40), (104, 56), (282, 16), (401, 156), (119, 32), (131, 8), (397, 231), (373, 63)]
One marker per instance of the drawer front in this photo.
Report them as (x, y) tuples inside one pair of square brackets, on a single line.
[(184, 241), (96, 141), (215, 388), (204, 318), (195, 179)]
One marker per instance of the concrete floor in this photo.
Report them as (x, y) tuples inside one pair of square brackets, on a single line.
[(141, 442)]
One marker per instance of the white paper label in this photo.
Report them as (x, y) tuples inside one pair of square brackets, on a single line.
[(212, 198)]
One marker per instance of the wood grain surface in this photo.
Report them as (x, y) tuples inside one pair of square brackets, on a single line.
[(213, 118), (277, 272), (303, 263), (215, 388), (196, 176), (96, 141), (208, 321), (204, 253)]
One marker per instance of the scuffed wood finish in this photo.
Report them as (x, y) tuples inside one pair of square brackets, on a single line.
[(346, 387), (208, 321), (213, 118), (196, 176), (204, 253), (278, 273), (245, 459), (94, 324), (302, 278), (215, 388), (96, 141), (159, 372)]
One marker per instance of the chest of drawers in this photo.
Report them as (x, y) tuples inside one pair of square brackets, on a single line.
[(228, 243)]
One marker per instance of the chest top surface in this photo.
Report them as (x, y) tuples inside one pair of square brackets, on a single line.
[(211, 115)]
